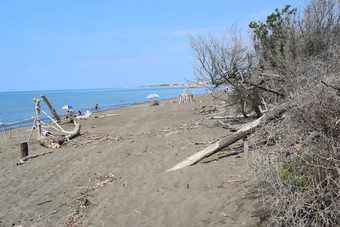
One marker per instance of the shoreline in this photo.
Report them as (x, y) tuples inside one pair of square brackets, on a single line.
[(62, 116), (83, 106), (93, 115)]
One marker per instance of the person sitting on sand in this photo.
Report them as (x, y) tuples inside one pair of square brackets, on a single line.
[(71, 112), (155, 103), (78, 114)]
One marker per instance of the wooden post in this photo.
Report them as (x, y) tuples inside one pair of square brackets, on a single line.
[(23, 150), (187, 96), (37, 111), (4, 130), (51, 107), (182, 97)]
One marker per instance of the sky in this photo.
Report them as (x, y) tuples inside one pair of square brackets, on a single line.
[(85, 44)]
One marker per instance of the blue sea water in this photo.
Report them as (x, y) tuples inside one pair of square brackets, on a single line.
[(16, 106)]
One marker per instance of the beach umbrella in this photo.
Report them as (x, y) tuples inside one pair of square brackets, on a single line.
[(151, 96), (66, 107)]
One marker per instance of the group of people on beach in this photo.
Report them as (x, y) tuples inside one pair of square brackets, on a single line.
[(70, 113)]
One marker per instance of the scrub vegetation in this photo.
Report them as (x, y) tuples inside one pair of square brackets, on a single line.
[(295, 58)]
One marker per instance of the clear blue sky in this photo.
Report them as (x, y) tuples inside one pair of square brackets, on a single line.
[(74, 44)]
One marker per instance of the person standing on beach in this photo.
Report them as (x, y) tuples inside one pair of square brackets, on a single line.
[(96, 106)]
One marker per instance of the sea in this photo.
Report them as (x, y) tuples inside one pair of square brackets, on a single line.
[(17, 106)]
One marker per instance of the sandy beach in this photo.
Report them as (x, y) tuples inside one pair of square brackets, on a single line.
[(114, 173)]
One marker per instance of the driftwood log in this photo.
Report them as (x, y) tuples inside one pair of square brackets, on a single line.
[(50, 107), (52, 141), (232, 138), (24, 159), (60, 129), (232, 117)]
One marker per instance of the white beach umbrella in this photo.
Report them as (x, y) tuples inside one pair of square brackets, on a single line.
[(151, 96)]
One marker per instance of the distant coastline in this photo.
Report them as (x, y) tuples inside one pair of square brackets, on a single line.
[(200, 84)]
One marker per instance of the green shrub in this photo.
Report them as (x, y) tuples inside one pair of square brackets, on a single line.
[(289, 176)]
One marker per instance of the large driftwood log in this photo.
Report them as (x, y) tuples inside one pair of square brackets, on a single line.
[(56, 141), (74, 133), (230, 139)]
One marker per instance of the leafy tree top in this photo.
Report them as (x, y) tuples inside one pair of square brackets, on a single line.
[(273, 27)]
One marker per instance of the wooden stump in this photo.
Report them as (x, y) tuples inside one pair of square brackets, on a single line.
[(23, 150)]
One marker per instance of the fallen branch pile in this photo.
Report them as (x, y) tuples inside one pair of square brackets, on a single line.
[(178, 129), (94, 140)]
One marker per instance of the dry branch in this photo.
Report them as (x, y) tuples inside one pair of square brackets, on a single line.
[(263, 88), (228, 153), (232, 181), (334, 87), (271, 75), (230, 139), (229, 117), (60, 128)]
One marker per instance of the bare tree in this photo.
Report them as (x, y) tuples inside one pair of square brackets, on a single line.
[(227, 61)]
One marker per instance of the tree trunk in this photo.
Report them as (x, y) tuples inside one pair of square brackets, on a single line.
[(230, 139)]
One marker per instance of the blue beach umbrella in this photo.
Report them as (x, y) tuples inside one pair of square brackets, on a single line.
[(66, 107)]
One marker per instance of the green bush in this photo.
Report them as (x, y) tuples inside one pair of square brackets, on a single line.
[(290, 177)]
